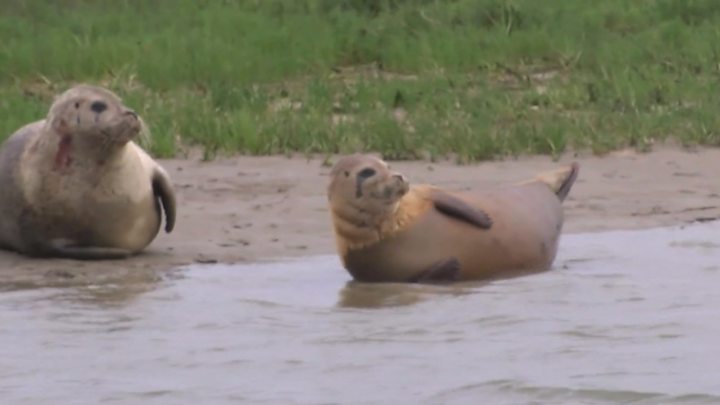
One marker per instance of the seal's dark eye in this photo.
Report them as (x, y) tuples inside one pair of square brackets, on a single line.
[(98, 106), (365, 173), (77, 105)]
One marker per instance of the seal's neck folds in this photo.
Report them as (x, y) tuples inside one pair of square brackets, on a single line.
[(356, 228)]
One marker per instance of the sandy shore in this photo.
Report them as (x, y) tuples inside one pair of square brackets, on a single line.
[(255, 208)]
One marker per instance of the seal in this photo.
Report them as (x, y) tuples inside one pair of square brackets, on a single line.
[(389, 231), (75, 185)]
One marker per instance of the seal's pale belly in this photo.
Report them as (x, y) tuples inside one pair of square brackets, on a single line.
[(129, 225), (527, 221), (112, 206), (117, 221)]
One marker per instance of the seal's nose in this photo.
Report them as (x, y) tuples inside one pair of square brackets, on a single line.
[(399, 177), (131, 112)]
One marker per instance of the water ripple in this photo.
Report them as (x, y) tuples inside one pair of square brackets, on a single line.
[(610, 324)]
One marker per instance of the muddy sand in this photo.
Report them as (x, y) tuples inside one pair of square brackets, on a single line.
[(257, 208)]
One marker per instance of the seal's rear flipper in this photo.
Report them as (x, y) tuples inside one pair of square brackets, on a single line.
[(164, 192), (444, 270), (567, 184), (560, 181), (459, 209)]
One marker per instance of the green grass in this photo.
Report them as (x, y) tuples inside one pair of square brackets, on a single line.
[(478, 79)]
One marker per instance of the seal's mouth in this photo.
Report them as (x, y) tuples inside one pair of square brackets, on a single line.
[(403, 188), (125, 129), (392, 192)]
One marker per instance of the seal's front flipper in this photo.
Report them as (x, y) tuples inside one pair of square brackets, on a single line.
[(90, 252), (163, 190), (444, 270), (459, 209)]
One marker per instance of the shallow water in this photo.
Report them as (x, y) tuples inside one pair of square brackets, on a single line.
[(625, 317)]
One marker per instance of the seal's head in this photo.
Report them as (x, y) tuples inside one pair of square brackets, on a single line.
[(93, 116), (366, 184)]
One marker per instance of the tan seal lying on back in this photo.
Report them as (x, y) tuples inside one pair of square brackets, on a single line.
[(388, 231), (75, 184)]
